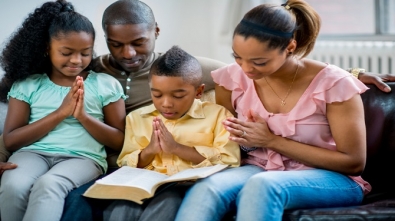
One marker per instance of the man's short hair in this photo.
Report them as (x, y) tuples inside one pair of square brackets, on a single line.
[(123, 12)]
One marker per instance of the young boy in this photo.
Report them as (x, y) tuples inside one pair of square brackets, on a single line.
[(175, 133)]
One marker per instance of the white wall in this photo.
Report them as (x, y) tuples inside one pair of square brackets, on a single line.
[(201, 27)]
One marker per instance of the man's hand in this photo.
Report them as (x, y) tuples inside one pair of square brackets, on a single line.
[(377, 79), (6, 166)]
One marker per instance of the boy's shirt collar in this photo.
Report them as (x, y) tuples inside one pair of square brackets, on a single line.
[(196, 110)]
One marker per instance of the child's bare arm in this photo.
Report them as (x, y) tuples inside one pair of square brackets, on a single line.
[(17, 130)]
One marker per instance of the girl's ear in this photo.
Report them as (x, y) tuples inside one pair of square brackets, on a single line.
[(199, 91)]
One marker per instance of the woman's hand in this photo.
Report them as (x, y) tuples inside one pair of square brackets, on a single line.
[(251, 133)]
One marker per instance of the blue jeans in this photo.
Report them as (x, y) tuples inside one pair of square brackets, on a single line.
[(262, 195)]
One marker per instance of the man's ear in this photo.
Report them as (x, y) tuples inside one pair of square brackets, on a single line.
[(157, 30), (199, 91)]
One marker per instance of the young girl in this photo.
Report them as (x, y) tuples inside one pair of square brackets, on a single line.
[(300, 121), (60, 115)]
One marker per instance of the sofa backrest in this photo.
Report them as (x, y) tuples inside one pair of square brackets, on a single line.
[(380, 130), (3, 114)]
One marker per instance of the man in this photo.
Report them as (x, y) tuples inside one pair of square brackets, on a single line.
[(130, 31)]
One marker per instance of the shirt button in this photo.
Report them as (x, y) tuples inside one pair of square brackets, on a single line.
[(127, 87), (128, 79), (122, 73)]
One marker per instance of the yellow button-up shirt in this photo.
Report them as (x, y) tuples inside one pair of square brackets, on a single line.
[(200, 128)]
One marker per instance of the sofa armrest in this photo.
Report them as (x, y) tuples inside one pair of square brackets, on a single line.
[(3, 114)]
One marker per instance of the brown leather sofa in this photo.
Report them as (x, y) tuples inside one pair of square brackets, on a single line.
[(380, 166)]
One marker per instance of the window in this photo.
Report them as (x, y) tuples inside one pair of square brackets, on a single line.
[(364, 19)]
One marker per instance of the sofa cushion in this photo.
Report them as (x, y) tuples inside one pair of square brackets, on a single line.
[(381, 210), (3, 114)]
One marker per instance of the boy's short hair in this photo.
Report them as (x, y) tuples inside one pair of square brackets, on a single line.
[(178, 63)]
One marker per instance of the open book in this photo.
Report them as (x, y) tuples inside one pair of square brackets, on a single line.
[(135, 184)]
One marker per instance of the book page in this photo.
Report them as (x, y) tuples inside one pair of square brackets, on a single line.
[(191, 174), (133, 177)]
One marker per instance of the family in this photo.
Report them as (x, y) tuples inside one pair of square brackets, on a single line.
[(281, 121)]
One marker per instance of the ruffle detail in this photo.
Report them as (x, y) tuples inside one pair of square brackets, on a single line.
[(19, 96), (25, 89), (366, 187), (331, 84), (106, 87), (338, 88), (114, 97), (232, 78)]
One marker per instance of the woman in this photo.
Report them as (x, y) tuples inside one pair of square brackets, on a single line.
[(300, 122)]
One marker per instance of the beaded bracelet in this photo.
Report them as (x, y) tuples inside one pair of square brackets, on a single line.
[(247, 149)]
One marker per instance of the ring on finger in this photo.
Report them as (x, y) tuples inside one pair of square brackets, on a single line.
[(244, 133)]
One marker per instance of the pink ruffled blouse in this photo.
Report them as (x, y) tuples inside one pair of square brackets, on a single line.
[(305, 123)]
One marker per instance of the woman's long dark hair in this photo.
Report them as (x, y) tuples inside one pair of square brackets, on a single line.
[(277, 25)]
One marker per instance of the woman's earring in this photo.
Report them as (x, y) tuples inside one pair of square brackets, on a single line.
[(45, 54)]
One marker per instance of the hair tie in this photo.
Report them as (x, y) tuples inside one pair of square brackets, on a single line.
[(286, 6), (266, 29)]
